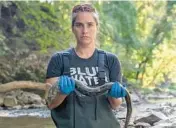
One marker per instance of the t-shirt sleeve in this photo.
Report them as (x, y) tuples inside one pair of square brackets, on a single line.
[(54, 68), (114, 68)]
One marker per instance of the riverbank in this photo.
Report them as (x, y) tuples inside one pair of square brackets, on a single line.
[(26, 122), (153, 110), (164, 115)]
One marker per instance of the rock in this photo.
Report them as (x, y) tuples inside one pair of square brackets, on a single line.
[(18, 107), (159, 96), (19, 97), (25, 98), (173, 93), (168, 122), (1, 99), (135, 97), (1, 108), (142, 125), (35, 99), (37, 106), (31, 106), (164, 125), (151, 118), (10, 101)]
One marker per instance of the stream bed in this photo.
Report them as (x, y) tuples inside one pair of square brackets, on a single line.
[(25, 122), (40, 117), (26, 118)]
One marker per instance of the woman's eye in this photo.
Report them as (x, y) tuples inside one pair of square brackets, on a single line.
[(78, 25), (90, 25)]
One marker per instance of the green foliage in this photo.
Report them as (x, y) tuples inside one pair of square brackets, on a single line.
[(172, 87), (146, 91), (134, 31), (3, 47), (141, 33), (46, 24)]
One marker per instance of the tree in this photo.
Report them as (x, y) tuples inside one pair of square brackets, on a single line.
[(134, 30)]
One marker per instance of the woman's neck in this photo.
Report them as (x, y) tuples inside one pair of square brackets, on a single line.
[(84, 52)]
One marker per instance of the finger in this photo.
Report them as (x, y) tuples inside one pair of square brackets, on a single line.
[(120, 91), (73, 83), (114, 90), (124, 92), (61, 83), (65, 82), (117, 89), (69, 84)]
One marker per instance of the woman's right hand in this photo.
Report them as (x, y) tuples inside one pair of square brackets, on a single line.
[(66, 84)]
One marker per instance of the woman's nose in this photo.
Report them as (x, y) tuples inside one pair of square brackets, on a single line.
[(85, 29)]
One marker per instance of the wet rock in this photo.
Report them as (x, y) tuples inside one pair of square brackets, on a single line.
[(1, 108), (171, 122), (33, 106), (18, 107), (10, 101), (164, 125), (151, 118), (142, 125), (1, 99)]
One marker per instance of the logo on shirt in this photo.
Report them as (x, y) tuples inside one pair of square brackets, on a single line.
[(87, 75)]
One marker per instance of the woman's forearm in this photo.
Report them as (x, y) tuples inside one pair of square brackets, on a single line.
[(59, 97), (115, 102), (57, 101)]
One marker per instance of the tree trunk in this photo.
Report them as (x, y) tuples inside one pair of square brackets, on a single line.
[(22, 85)]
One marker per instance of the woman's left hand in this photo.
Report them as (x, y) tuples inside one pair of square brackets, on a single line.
[(117, 90)]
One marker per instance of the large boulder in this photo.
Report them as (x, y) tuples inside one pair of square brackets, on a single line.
[(10, 101), (21, 98), (28, 98), (1, 99)]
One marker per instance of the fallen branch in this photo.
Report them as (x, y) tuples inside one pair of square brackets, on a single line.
[(22, 85)]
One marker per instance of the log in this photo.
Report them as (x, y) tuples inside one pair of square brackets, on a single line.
[(22, 85)]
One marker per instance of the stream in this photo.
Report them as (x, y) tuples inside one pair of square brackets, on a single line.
[(25, 122), (40, 118), (26, 118)]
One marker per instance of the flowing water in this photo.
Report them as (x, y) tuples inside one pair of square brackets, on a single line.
[(37, 118), (25, 122), (26, 118)]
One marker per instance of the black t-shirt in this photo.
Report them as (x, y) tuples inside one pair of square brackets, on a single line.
[(85, 70)]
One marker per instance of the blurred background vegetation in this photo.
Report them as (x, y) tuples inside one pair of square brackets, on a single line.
[(141, 33)]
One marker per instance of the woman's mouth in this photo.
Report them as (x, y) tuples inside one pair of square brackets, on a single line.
[(85, 37)]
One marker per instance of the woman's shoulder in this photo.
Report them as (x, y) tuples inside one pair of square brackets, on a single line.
[(60, 53), (108, 54), (111, 55)]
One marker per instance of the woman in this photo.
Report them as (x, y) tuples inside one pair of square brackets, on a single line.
[(69, 109)]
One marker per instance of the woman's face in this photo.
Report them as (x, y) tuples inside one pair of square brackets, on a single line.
[(85, 28)]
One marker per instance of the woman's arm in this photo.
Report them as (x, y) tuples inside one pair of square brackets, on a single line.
[(114, 75), (115, 102), (59, 97)]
